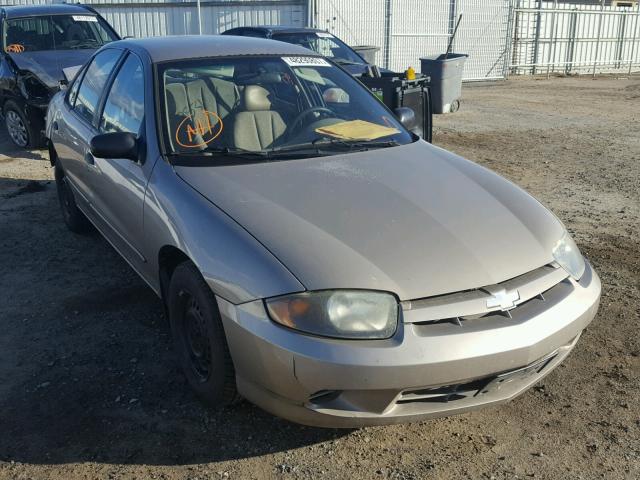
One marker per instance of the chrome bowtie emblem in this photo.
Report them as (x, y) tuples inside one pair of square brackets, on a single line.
[(503, 299)]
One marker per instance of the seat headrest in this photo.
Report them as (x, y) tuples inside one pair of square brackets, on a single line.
[(256, 98)]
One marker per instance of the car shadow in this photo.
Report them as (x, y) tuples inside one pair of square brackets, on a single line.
[(87, 371), (9, 151)]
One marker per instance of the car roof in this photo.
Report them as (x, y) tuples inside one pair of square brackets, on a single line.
[(36, 10), (281, 29), (162, 49)]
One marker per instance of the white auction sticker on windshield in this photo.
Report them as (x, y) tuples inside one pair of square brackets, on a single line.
[(324, 35), (84, 18), (306, 62)]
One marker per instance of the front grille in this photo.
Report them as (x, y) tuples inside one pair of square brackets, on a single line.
[(534, 288), (444, 394), (478, 387)]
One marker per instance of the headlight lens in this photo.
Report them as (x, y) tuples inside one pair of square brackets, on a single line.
[(337, 313), (566, 253)]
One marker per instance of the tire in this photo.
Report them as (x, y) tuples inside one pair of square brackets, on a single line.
[(455, 106), (199, 339), (22, 132), (73, 217)]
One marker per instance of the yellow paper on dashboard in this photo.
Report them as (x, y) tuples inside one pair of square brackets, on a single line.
[(357, 130)]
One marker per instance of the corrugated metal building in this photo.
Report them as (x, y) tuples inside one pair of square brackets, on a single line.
[(136, 18)]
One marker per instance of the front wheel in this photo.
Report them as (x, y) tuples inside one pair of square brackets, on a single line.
[(23, 133), (198, 337)]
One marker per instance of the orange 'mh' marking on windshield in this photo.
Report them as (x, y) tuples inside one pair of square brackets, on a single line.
[(202, 130), (15, 48)]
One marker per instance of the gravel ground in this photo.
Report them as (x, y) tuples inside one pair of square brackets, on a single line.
[(88, 386)]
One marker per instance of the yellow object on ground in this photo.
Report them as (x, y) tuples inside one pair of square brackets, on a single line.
[(357, 130), (411, 73)]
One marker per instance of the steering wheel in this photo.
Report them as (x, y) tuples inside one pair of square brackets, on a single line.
[(307, 112)]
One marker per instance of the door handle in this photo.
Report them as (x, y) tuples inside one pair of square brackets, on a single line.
[(89, 158)]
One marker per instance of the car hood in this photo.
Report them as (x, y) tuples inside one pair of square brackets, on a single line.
[(414, 220), (47, 65)]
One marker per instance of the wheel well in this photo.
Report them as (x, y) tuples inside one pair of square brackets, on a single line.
[(53, 156), (168, 259)]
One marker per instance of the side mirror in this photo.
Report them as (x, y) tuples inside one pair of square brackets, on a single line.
[(406, 117), (115, 145)]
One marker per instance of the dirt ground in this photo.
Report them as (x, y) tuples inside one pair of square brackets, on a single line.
[(89, 387)]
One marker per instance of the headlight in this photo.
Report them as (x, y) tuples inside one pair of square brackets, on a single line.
[(337, 313), (566, 253)]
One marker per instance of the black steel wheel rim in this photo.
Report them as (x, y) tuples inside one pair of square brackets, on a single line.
[(195, 337)]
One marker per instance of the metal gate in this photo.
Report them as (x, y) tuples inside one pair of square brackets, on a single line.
[(554, 37), (406, 30)]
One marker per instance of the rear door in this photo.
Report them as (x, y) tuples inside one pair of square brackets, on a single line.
[(118, 185), (75, 125)]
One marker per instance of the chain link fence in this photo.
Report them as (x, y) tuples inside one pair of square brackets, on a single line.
[(406, 30), (501, 37)]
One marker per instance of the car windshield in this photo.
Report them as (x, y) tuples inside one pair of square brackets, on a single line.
[(263, 107), (323, 43), (56, 32)]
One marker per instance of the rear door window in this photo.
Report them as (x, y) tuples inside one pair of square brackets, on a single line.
[(124, 108), (94, 82)]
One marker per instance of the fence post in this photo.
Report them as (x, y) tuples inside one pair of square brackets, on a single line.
[(552, 38), (310, 13), (386, 54), (536, 45), (508, 41), (199, 17), (573, 21), (453, 16), (595, 60), (514, 40), (634, 39)]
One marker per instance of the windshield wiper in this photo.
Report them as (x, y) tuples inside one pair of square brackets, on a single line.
[(223, 151), (320, 144), (355, 144), (316, 147), (344, 61), (86, 44)]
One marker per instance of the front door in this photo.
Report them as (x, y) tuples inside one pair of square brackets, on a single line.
[(119, 185)]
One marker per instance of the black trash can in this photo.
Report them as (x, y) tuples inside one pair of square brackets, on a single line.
[(446, 80), (396, 91)]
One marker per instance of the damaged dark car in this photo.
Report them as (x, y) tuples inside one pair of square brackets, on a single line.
[(42, 47)]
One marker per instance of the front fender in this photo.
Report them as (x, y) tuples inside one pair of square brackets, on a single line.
[(234, 264)]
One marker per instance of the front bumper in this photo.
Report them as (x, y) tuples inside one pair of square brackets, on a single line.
[(424, 371)]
